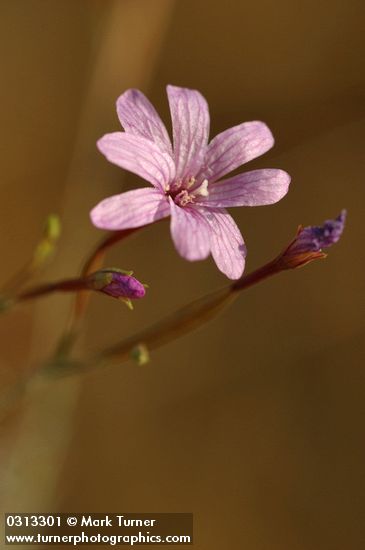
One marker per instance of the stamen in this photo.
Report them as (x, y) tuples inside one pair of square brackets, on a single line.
[(202, 190), (183, 198), (190, 183)]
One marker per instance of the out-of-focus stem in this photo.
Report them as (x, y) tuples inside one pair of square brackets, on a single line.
[(19, 279), (67, 285), (184, 320), (41, 255)]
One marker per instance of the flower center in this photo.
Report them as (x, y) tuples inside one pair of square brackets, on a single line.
[(186, 192)]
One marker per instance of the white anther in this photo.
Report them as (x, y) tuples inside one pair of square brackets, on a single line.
[(202, 189)]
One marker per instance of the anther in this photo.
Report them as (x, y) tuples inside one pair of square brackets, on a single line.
[(202, 189)]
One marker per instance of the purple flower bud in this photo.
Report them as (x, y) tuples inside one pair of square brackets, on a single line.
[(310, 240), (118, 284), (316, 237)]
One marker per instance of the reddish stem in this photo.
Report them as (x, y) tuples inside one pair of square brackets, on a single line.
[(275, 266), (96, 257), (68, 285)]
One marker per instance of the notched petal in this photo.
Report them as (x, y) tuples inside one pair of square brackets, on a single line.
[(138, 116), (190, 128)]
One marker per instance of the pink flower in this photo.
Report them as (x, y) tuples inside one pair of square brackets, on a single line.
[(186, 177)]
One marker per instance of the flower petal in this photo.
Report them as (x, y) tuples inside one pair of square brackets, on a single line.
[(138, 116), (234, 147), (190, 127), (226, 243), (131, 209), (190, 232), (254, 188), (140, 156)]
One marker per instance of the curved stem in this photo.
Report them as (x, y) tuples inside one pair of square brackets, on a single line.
[(96, 257), (93, 263), (184, 320)]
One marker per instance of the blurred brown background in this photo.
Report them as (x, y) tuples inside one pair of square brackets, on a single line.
[(256, 423)]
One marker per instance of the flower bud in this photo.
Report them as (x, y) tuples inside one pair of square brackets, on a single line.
[(118, 284), (46, 247), (309, 241), (140, 354)]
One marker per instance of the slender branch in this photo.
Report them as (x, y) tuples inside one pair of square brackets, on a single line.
[(67, 285), (303, 249), (271, 268), (94, 261), (186, 319), (191, 316)]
